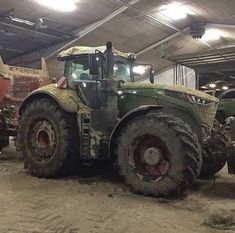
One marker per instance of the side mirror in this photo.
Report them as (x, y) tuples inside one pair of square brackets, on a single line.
[(151, 76)]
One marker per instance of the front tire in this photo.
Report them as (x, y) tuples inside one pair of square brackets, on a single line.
[(214, 152), (158, 155), (48, 139)]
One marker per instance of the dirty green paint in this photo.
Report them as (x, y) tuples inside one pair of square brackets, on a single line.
[(228, 106), (178, 88), (137, 94)]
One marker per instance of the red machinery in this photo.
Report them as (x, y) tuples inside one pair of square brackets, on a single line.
[(15, 84)]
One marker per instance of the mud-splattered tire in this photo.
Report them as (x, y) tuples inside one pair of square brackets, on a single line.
[(214, 152), (48, 139), (158, 155)]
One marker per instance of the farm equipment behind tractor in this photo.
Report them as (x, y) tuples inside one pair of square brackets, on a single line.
[(227, 105), (15, 84)]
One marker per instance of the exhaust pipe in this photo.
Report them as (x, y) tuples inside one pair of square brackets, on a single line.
[(109, 98), (109, 60)]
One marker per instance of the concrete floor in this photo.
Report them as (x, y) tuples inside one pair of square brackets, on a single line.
[(100, 202)]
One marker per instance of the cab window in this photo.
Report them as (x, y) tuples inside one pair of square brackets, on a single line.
[(121, 71), (77, 70)]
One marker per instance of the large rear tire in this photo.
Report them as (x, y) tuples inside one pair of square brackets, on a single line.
[(214, 152), (48, 139), (158, 155)]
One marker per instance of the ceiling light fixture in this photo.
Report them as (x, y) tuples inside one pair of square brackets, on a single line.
[(59, 5), (225, 88), (212, 34), (174, 11), (212, 85)]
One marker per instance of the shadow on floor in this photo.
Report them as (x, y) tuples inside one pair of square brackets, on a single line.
[(221, 188)]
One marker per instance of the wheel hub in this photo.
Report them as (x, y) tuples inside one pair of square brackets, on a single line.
[(149, 158), (43, 140), (153, 156)]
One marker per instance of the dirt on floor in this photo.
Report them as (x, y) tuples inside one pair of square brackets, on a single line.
[(97, 201)]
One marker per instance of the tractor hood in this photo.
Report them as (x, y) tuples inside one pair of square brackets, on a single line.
[(177, 99), (179, 89)]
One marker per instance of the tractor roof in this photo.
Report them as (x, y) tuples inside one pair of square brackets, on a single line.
[(78, 50)]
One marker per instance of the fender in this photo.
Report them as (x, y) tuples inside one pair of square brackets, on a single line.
[(133, 113), (225, 93), (67, 99)]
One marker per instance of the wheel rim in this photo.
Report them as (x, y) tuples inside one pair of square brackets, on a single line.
[(42, 140), (149, 158)]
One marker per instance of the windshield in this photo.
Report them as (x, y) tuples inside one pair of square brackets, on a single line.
[(78, 70), (121, 71)]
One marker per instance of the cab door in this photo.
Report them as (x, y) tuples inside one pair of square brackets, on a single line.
[(87, 85)]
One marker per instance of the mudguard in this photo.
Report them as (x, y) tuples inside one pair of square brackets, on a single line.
[(133, 113), (67, 99)]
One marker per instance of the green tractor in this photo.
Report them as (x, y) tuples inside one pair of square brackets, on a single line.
[(226, 106), (156, 135)]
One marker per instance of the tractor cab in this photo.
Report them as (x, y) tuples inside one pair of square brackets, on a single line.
[(89, 64), (86, 67)]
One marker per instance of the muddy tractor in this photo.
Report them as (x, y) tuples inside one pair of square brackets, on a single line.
[(15, 84), (160, 137)]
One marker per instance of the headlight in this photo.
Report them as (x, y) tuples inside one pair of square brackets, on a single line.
[(120, 92), (196, 100), (187, 97)]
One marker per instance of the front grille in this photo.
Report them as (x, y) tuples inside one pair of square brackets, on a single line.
[(205, 107)]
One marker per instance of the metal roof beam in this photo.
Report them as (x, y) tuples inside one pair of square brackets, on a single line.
[(215, 67), (52, 50), (92, 27), (13, 34), (172, 36), (43, 34), (159, 21), (147, 15), (11, 50), (220, 25), (201, 54), (158, 43)]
